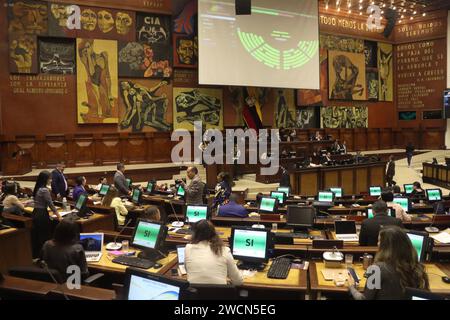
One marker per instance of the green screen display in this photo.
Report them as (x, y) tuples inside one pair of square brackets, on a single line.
[(417, 242), (146, 234), (267, 204), (283, 189), (279, 196), (196, 213), (249, 243), (80, 202), (325, 197), (434, 195), (104, 189), (180, 191), (337, 191), (408, 188), (403, 202), (136, 195), (128, 182), (150, 187), (375, 191)]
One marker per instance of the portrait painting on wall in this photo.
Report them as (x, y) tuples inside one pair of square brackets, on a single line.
[(344, 117), (142, 60), (185, 51), (372, 85), (371, 53), (385, 72), (23, 56), (285, 109), (27, 17), (346, 76), (97, 81), (307, 117), (153, 29), (186, 21), (145, 105), (197, 104), (57, 56), (58, 15)]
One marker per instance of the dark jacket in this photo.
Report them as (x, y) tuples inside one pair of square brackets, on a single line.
[(77, 192), (120, 182), (390, 172), (409, 149), (370, 228), (59, 184)]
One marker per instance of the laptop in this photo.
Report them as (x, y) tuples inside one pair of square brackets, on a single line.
[(92, 244), (181, 260), (346, 230)]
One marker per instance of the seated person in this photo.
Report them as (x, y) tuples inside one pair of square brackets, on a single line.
[(399, 267), (370, 228), (326, 159), (417, 190), (102, 180), (112, 199), (223, 189), (259, 196), (207, 259), (11, 203), (388, 197), (80, 188), (232, 208), (151, 213), (396, 190), (64, 250), (336, 147), (343, 148)]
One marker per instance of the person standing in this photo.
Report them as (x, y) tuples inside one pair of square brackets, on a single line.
[(120, 182), (223, 189), (390, 171), (60, 188), (409, 153), (195, 189)]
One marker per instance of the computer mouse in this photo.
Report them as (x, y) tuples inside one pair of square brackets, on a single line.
[(157, 265), (297, 261), (446, 279)]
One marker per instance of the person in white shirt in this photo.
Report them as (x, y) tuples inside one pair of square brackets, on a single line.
[(112, 199), (207, 259), (388, 197), (102, 181)]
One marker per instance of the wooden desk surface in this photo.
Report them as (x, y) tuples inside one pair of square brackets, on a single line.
[(106, 265), (26, 285), (15, 248)]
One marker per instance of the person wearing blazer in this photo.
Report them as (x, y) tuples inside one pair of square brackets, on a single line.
[(370, 228), (60, 188), (120, 181), (390, 171)]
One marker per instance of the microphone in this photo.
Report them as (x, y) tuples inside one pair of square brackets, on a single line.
[(178, 224), (114, 245), (44, 265), (431, 229)]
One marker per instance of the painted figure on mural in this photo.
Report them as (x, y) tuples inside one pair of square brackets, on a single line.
[(346, 74)]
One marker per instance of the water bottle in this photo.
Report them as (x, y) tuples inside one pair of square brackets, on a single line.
[(64, 203)]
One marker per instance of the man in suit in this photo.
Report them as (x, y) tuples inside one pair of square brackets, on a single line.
[(60, 188), (390, 171), (120, 181), (232, 208), (343, 148), (370, 228), (195, 190)]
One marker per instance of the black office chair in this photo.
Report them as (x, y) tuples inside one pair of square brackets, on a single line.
[(212, 292)]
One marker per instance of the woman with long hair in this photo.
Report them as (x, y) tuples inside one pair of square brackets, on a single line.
[(42, 224), (208, 260), (399, 268), (112, 199)]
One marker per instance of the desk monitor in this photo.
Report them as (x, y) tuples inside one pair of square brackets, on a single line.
[(419, 241), (81, 205), (104, 189), (369, 213), (403, 201), (180, 191), (417, 294), (195, 213), (408, 188), (128, 181), (325, 196), (434, 195), (281, 196), (136, 196), (298, 216), (337, 192), (151, 186), (149, 236), (375, 191), (142, 285), (250, 246), (286, 190), (268, 205)]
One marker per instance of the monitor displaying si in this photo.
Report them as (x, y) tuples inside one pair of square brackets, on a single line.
[(81, 202), (180, 191), (128, 181), (281, 196), (375, 191), (286, 190), (268, 205), (195, 213), (250, 245), (419, 241), (408, 188), (300, 216), (104, 189), (148, 235), (136, 196), (370, 215), (181, 254), (337, 192), (151, 186), (325, 196), (404, 202), (434, 194), (141, 285)]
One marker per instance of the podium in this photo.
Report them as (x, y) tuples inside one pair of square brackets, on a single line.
[(18, 163)]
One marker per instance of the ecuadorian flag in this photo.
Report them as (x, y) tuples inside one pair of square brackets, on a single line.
[(252, 110)]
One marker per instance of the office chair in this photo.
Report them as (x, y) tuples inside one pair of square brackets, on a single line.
[(212, 292)]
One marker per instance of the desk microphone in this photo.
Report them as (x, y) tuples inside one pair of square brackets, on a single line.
[(114, 245), (431, 229), (178, 223), (44, 265)]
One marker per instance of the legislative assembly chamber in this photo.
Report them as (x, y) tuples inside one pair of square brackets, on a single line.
[(249, 150)]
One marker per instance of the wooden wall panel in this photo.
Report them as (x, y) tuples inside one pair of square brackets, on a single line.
[(373, 139), (108, 149), (347, 178), (377, 176), (330, 179), (309, 184), (386, 139), (362, 182), (347, 136), (135, 148), (360, 138), (83, 151)]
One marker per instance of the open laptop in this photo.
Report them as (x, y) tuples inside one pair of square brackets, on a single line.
[(92, 244), (346, 230), (181, 256)]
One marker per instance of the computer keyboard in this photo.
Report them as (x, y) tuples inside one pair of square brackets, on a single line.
[(300, 235), (134, 262), (279, 269)]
